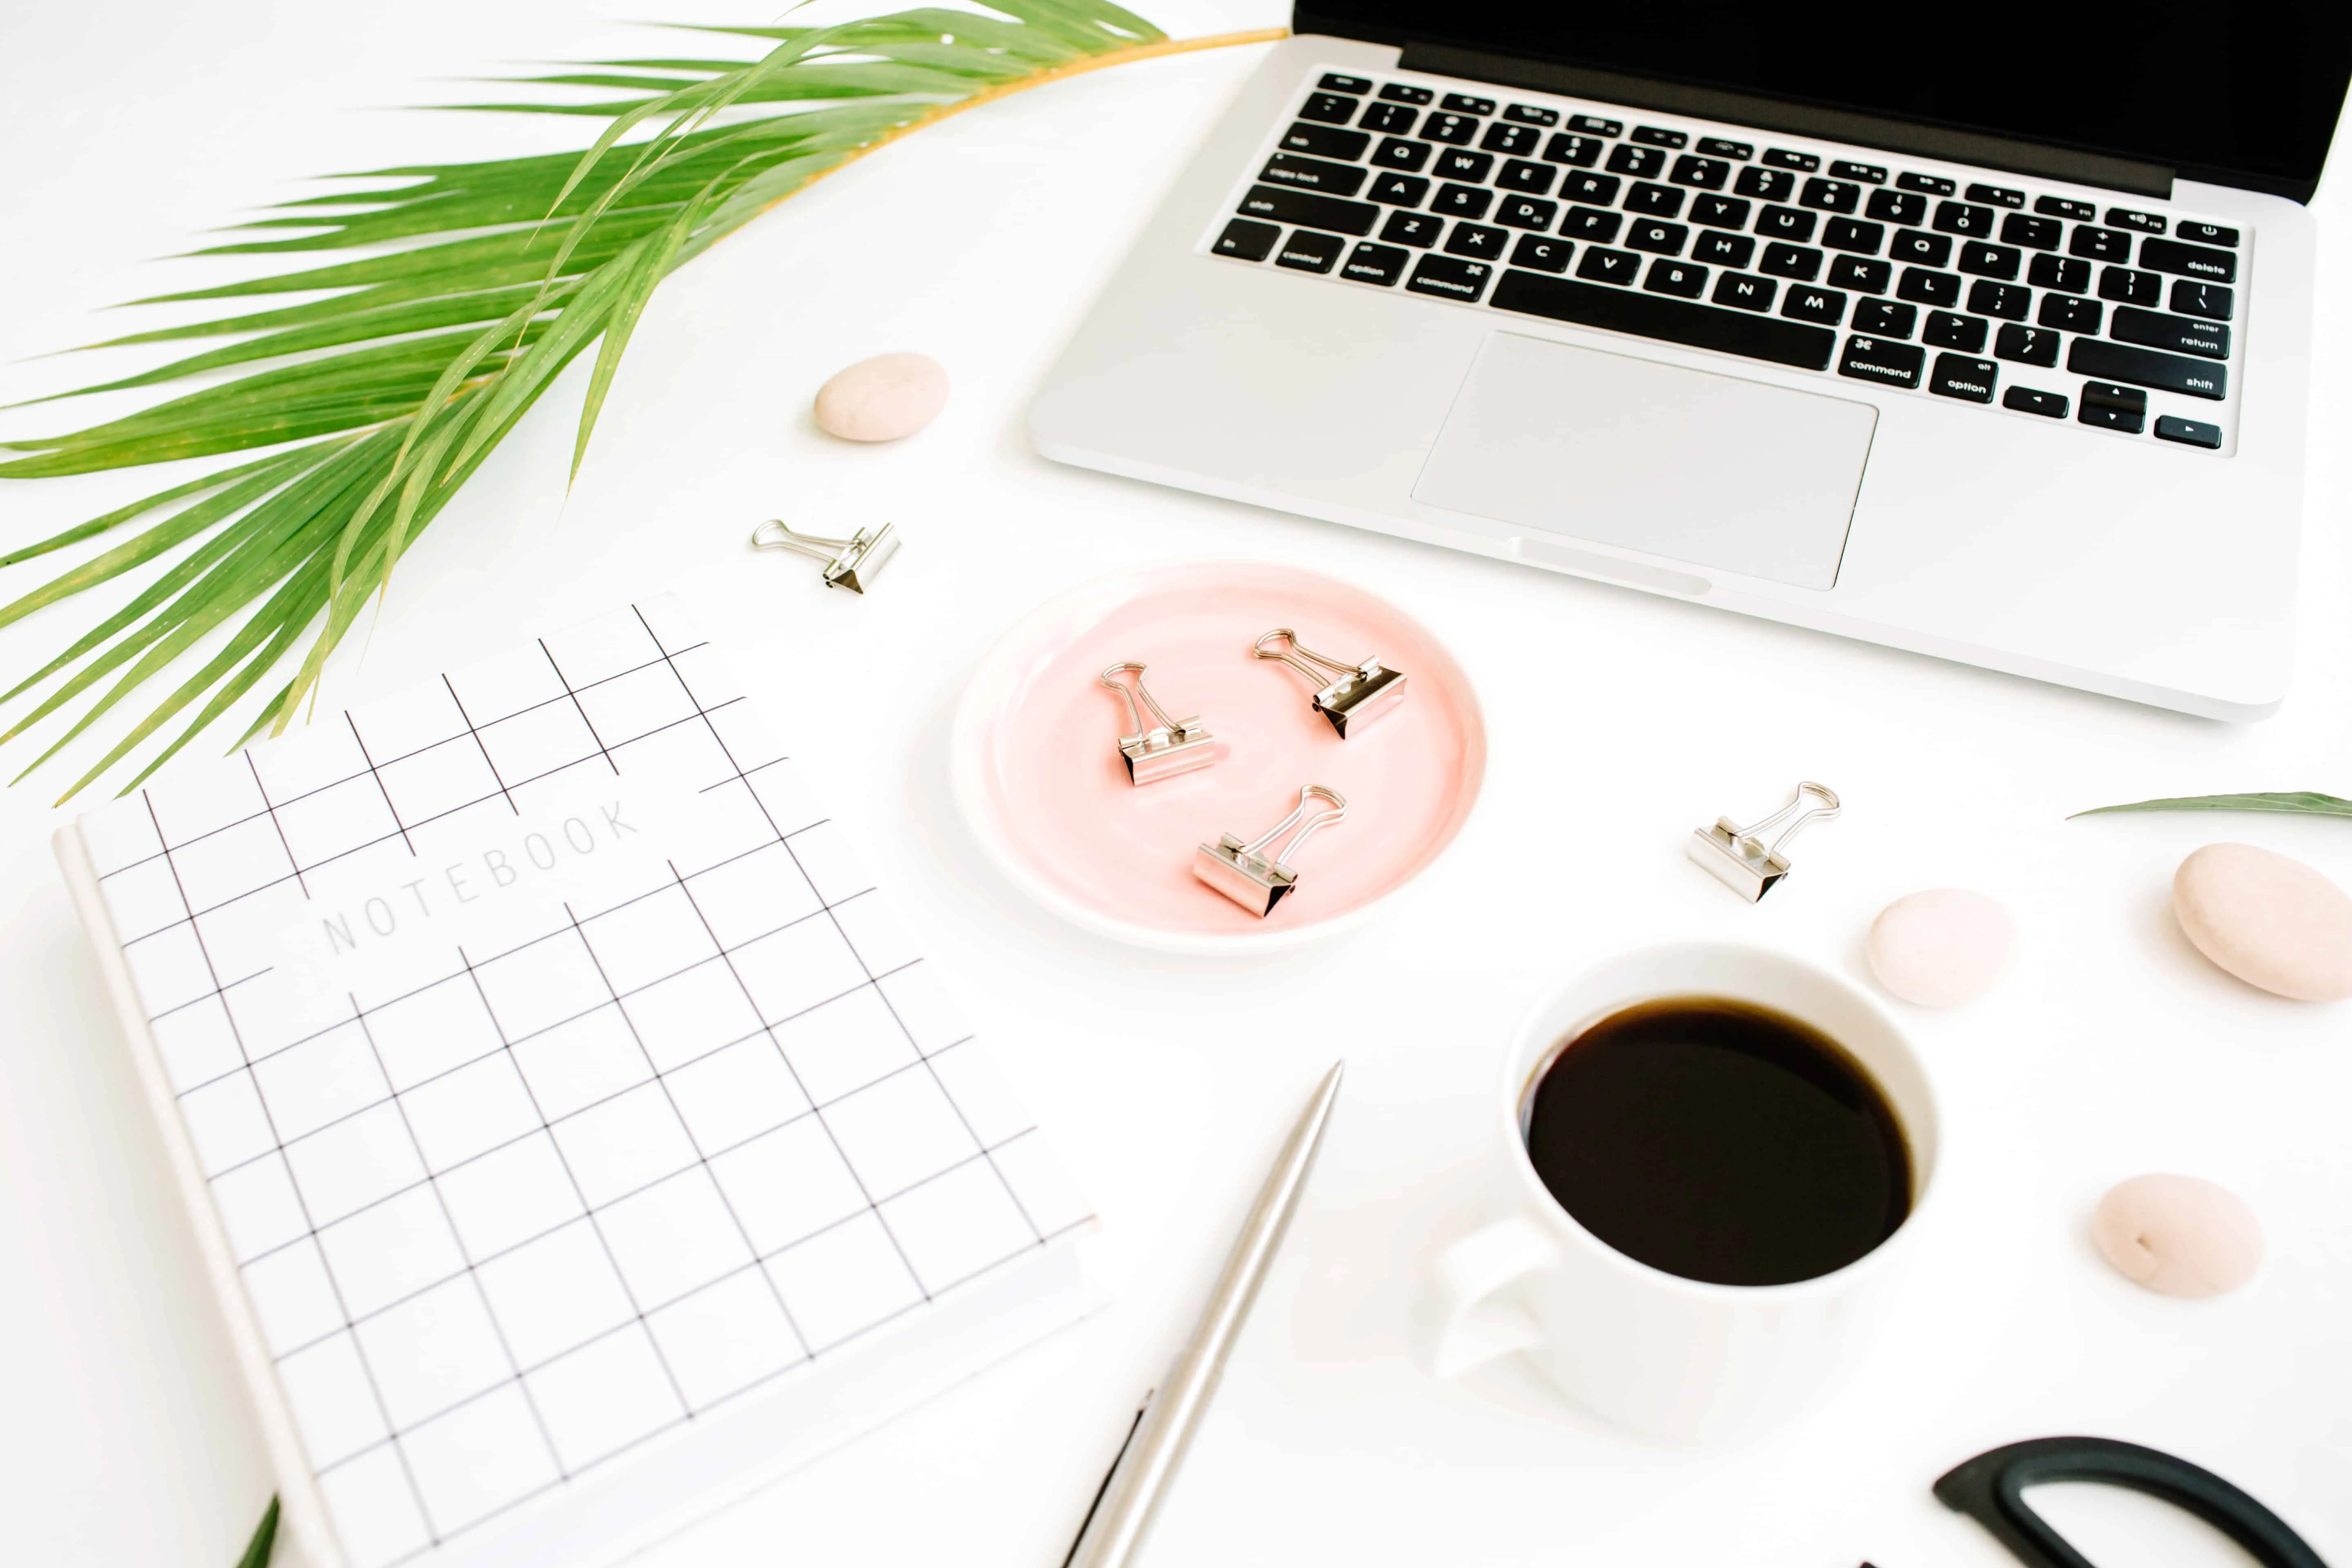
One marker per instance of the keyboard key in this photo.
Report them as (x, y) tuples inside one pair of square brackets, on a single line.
[(1653, 201), (1534, 179), (1516, 140), (1720, 212), (1958, 376), (1948, 331), (1922, 249), (1310, 252), (1724, 250), (1449, 279), (1785, 223), (2026, 345), (2188, 261), (2124, 217), (1273, 205), (1868, 173), (1461, 201), (2025, 400), (2176, 334), (1455, 129), (1982, 260), (1657, 239), (2007, 301), (1657, 136), (2033, 233), (1597, 125), (2065, 313), (1792, 261), (1745, 293), (1667, 319), (1596, 227), (1875, 359), (2071, 273), (1608, 265), (1765, 185), (1738, 152), (1706, 173), (1313, 174), (1390, 119), (1862, 276), (1543, 255), (1412, 229), (1334, 82), (1924, 288), (1528, 114), (1370, 263), (1328, 107), (1249, 241), (1997, 195), (2113, 408), (1782, 158), (2209, 300), (1929, 184), (1399, 190), (1830, 196), (1576, 151), (1903, 208), (1680, 278), (2206, 234), (1476, 239), (2146, 368), (1324, 141), (1526, 212), (1641, 162), (1463, 103), (2059, 206), (2126, 287), (1852, 234), (2100, 244), (1886, 319), (1826, 306), (1596, 190), (1959, 218), (1398, 92), (1456, 165), (2187, 432), (1395, 153)]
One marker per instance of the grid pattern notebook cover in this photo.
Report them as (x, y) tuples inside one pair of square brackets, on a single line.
[(572, 1124)]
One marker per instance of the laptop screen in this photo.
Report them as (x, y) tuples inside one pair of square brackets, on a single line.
[(2244, 95)]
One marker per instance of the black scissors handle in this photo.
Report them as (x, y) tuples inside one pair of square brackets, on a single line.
[(1989, 1489)]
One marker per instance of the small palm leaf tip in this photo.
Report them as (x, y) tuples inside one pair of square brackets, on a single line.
[(362, 414)]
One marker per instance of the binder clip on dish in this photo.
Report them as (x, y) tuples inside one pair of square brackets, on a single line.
[(1160, 751), (1743, 859), (1351, 695), (1247, 874), (852, 564)]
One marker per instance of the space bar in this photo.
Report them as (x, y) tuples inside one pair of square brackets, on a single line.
[(1654, 316)]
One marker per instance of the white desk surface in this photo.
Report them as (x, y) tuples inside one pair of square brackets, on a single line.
[(1619, 721)]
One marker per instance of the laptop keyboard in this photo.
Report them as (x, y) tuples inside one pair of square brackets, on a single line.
[(2048, 304)]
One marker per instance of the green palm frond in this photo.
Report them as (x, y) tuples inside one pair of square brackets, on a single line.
[(473, 285)]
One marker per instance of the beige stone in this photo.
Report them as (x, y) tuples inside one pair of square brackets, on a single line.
[(882, 398), (2177, 1236), (1941, 947), (2270, 920)]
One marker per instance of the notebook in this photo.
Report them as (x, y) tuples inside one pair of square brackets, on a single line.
[(573, 1133)]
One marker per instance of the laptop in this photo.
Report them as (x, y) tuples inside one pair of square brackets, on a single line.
[(1990, 343)]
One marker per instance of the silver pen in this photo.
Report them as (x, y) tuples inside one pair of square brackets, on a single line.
[(1112, 1534)]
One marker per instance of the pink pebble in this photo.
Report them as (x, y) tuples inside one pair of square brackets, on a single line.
[(1941, 947), (882, 398), (2271, 921), (2177, 1236)]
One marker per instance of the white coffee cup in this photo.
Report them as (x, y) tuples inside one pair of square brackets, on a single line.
[(1678, 1358)]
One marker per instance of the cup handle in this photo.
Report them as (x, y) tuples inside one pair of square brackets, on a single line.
[(1476, 1321)]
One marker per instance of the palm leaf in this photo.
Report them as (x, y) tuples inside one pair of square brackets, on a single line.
[(2301, 803), (447, 300)]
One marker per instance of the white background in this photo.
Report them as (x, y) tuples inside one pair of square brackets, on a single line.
[(1618, 723)]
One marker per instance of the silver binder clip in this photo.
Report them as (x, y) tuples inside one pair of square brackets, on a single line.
[(1351, 695), (852, 564), (1740, 856), (1160, 751), (1253, 880)]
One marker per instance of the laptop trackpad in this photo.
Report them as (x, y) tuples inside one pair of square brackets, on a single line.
[(1695, 467)]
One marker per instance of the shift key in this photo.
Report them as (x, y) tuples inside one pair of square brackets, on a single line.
[(1311, 211), (2146, 368)]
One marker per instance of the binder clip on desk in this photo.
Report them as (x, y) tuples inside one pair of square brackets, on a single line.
[(852, 564), (1253, 880), (1351, 695), (1740, 858), (1162, 750)]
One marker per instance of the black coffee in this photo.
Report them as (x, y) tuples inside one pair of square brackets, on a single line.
[(1720, 1140)]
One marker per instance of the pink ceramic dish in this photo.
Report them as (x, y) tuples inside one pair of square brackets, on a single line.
[(1039, 778)]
